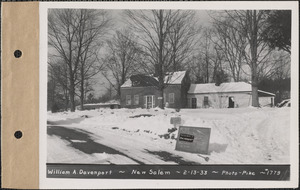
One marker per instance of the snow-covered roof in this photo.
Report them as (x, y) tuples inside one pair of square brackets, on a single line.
[(127, 83), (264, 92), (172, 78), (111, 102), (176, 77), (224, 87)]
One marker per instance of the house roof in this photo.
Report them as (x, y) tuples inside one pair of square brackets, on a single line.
[(172, 78), (127, 83), (143, 80), (175, 78), (224, 87)]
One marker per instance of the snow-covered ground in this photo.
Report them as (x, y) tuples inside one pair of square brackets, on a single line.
[(238, 136)]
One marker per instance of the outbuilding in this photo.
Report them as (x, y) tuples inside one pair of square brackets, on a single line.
[(226, 95), (112, 104)]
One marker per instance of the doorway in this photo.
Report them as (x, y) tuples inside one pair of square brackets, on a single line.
[(150, 102), (231, 102), (194, 103)]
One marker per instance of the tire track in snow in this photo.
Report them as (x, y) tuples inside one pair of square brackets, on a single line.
[(273, 144)]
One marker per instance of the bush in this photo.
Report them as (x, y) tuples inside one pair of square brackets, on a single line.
[(54, 108)]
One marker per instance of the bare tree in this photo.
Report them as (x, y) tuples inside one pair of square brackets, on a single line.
[(58, 85), (210, 55), (283, 66), (203, 63), (51, 92), (183, 39), (277, 66), (232, 44), (73, 33), (92, 31), (197, 69), (219, 74), (88, 88), (61, 36), (251, 24), (161, 34), (122, 60)]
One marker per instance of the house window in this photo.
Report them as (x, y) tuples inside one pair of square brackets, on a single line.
[(205, 103), (171, 98), (128, 99), (136, 100)]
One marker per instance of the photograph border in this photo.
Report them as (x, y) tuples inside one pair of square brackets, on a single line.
[(50, 183)]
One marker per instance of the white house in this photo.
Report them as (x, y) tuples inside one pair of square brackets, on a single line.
[(227, 95)]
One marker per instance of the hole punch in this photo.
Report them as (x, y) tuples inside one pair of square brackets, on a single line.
[(18, 53), (18, 134)]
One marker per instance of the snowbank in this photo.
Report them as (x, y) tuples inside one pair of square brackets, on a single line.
[(238, 136)]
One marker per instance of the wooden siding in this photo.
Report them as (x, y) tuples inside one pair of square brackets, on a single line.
[(221, 100)]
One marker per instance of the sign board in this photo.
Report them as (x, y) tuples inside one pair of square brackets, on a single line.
[(175, 120), (193, 139), (159, 98)]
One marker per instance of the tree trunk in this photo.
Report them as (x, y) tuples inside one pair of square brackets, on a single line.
[(119, 92), (254, 78), (72, 98), (82, 88), (160, 57), (161, 94), (162, 100), (253, 49), (66, 99), (72, 95), (255, 100), (207, 71)]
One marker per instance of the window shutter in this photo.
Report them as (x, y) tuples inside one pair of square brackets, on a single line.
[(145, 101), (153, 101)]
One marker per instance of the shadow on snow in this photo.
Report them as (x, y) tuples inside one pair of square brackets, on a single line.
[(82, 141), (167, 156)]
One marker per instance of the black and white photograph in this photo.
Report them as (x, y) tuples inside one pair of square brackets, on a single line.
[(170, 88)]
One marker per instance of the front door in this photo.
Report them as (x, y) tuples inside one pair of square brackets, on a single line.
[(150, 103), (231, 102), (194, 102)]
